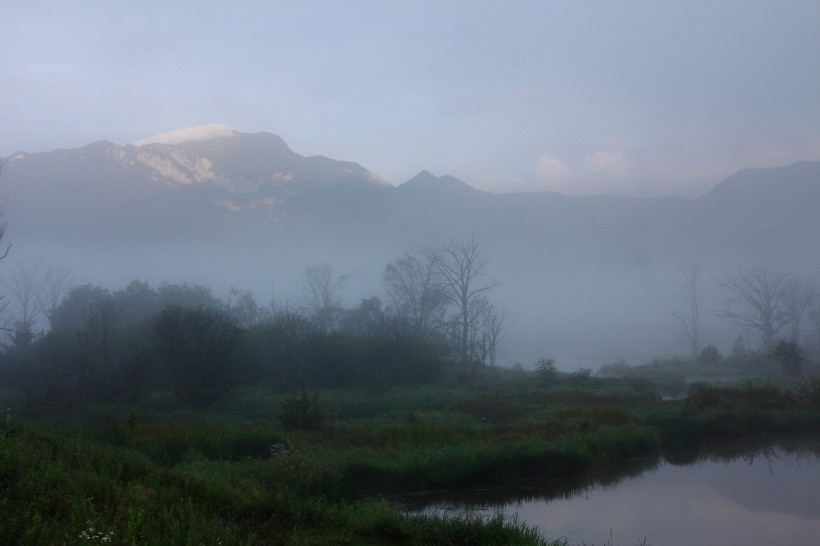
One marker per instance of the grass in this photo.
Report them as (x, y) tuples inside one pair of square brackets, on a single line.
[(159, 474)]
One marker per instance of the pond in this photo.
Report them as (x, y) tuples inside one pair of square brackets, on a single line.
[(749, 495)]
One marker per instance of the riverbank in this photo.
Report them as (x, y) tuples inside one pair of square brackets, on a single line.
[(254, 470)]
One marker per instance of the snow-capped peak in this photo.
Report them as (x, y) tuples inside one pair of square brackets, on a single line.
[(190, 134)]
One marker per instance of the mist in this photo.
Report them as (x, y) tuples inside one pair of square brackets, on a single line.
[(584, 280)]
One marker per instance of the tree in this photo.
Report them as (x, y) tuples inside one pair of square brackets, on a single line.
[(98, 367), (286, 344), (460, 268), (799, 298), (36, 290), (757, 303), (200, 349), (493, 322), (24, 288), (3, 303), (55, 283), (242, 306), (418, 297), (3, 224), (789, 355), (365, 319), (688, 321), (321, 290), (709, 356), (814, 341)]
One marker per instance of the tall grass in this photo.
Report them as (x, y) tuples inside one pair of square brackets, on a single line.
[(133, 475)]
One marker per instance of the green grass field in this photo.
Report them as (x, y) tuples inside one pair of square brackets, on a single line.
[(158, 474)]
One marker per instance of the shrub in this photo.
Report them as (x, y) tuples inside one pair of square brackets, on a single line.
[(545, 367), (301, 412), (200, 350), (709, 356), (583, 372)]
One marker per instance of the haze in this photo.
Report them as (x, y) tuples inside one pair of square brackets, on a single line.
[(628, 98)]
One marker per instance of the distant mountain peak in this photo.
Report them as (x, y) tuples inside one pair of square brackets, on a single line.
[(769, 183), (212, 131), (426, 180)]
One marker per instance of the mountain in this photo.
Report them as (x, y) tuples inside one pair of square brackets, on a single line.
[(160, 189), (246, 210)]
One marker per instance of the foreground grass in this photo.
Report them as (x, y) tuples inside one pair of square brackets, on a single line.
[(235, 476)]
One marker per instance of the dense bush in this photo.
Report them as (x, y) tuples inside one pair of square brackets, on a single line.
[(200, 350), (301, 412)]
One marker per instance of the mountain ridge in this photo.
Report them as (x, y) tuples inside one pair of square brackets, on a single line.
[(248, 211)]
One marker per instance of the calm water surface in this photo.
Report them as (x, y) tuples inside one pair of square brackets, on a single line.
[(745, 497)]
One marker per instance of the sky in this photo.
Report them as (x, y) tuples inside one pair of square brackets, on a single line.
[(641, 98)]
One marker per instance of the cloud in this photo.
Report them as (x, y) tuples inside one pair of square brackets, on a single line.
[(551, 169), (612, 164), (189, 134), (592, 174)]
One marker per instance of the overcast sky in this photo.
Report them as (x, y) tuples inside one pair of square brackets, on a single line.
[(634, 98)]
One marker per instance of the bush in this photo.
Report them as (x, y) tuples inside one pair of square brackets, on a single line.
[(301, 412), (709, 356), (545, 368), (200, 350)]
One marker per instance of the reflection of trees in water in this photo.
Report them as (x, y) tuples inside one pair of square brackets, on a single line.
[(530, 489), (748, 449)]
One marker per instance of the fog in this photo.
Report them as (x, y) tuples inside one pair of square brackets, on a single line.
[(543, 112), (583, 302)]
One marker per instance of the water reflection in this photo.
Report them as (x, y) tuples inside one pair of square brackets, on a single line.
[(749, 493)]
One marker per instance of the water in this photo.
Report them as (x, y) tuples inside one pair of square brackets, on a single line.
[(744, 496)]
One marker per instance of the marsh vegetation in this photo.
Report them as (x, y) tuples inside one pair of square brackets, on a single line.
[(241, 471)]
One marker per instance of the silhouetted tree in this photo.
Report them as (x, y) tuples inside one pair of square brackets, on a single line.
[(709, 356), (365, 319), (799, 298), (416, 293), (36, 289), (3, 225), (814, 340), (200, 351), (284, 346), (460, 267), (789, 355), (242, 307), (688, 320), (321, 292), (488, 332), (757, 303), (3, 302)]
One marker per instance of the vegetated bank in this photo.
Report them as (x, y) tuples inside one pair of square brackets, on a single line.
[(166, 416), (259, 467)]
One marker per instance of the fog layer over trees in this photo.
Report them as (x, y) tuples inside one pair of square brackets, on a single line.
[(504, 278)]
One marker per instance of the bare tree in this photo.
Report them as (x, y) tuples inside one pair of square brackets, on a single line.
[(3, 302), (757, 303), (97, 368), (3, 231), (799, 298), (2, 223), (460, 266), (489, 331), (24, 288), (55, 283), (321, 289), (36, 290), (414, 289), (814, 338), (688, 320)]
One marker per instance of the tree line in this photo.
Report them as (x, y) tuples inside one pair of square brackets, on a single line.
[(767, 309), (101, 345)]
